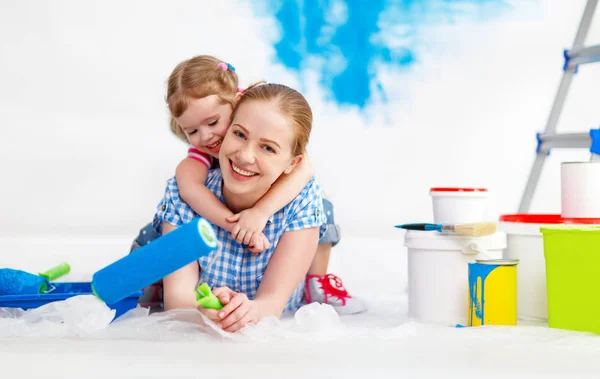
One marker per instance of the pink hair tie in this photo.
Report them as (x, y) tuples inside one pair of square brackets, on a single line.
[(223, 65), (241, 90)]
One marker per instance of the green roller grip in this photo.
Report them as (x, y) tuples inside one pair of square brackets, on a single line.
[(56, 272), (206, 298)]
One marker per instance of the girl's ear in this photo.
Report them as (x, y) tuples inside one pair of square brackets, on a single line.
[(295, 162), (238, 96)]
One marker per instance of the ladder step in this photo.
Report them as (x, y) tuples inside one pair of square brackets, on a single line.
[(582, 55), (584, 51), (564, 140)]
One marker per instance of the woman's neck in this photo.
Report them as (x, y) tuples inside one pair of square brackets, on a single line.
[(237, 203)]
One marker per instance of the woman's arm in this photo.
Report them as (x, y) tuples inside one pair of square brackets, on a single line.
[(179, 287), (191, 178), (286, 269)]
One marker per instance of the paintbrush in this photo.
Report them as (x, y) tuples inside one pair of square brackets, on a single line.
[(476, 229)]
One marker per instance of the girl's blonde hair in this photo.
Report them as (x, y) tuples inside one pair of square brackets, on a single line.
[(196, 78), (290, 103)]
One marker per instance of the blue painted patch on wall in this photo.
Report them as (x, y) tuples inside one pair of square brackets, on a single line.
[(343, 40)]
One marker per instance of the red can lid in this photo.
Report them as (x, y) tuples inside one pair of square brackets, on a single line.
[(533, 218), (546, 219), (450, 189), (582, 221)]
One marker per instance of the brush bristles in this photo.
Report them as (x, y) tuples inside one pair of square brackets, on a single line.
[(477, 229)]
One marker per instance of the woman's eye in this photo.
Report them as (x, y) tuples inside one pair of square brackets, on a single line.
[(213, 123), (269, 148), (192, 132)]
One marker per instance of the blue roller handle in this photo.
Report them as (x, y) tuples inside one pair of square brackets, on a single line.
[(154, 261)]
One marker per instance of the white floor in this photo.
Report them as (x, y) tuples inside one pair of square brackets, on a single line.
[(73, 339)]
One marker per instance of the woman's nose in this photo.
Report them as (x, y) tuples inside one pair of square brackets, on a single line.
[(246, 155)]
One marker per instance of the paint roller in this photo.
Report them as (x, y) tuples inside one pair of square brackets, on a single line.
[(18, 282), (152, 262)]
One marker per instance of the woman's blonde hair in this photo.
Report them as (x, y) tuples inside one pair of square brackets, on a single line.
[(197, 78), (290, 103)]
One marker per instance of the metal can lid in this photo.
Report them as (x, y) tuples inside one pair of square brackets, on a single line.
[(498, 262)]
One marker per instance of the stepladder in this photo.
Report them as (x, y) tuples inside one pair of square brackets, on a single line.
[(577, 55)]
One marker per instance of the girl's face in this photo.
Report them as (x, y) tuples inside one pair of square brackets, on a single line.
[(205, 123), (257, 149)]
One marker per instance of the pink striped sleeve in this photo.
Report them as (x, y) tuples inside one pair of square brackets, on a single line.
[(200, 156)]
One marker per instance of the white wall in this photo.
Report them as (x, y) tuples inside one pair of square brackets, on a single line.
[(85, 148)]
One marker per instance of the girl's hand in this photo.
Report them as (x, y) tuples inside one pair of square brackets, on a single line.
[(237, 312), (259, 243), (249, 224)]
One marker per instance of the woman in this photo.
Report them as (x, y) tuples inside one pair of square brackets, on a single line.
[(270, 128)]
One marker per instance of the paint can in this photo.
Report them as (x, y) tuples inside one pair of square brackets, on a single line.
[(438, 270), (458, 205), (580, 185), (493, 292), (525, 243), (572, 272)]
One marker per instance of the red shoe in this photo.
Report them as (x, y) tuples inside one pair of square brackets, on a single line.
[(329, 289)]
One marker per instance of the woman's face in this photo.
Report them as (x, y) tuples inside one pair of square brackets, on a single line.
[(257, 149), (205, 123)]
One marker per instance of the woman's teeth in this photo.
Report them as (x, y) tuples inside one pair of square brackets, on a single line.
[(240, 171)]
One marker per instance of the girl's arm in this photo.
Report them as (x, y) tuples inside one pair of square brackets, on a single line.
[(286, 188), (179, 286), (251, 222), (286, 269), (191, 178)]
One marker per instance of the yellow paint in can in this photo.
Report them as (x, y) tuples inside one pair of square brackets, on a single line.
[(493, 292)]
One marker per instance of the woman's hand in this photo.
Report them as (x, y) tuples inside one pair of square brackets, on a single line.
[(237, 312)]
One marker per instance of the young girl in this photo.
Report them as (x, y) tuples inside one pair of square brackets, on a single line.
[(201, 95)]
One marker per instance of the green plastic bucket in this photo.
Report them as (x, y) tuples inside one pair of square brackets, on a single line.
[(572, 254)]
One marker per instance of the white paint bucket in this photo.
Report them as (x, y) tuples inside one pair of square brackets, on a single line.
[(458, 205), (525, 243), (580, 189), (438, 273)]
